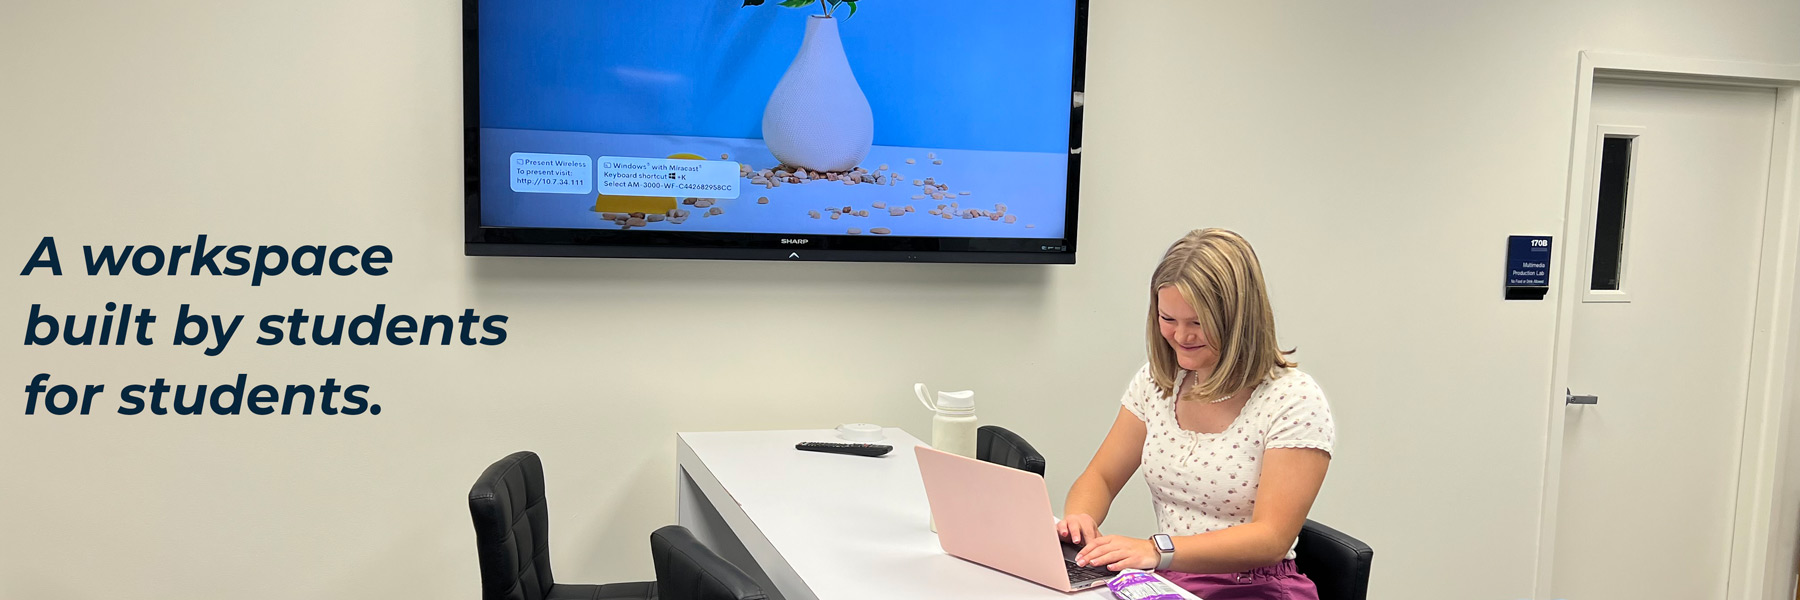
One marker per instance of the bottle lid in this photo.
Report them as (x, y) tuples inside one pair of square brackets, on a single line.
[(956, 402)]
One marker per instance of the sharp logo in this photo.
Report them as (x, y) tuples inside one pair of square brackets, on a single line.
[(795, 241)]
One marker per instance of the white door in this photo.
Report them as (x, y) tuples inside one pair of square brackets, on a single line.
[(1650, 471)]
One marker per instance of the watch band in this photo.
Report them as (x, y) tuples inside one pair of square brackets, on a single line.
[(1165, 547)]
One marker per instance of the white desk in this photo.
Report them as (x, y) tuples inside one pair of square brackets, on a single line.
[(828, 526)]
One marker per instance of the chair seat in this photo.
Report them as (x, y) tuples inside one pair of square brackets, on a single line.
[(636, 590)]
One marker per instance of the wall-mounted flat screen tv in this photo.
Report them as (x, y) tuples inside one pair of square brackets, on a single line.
[(871, 130)]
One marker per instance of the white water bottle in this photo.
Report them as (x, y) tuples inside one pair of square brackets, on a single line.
[(952, 423)]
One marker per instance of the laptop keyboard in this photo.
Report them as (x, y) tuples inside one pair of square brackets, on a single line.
[(1079, 574)]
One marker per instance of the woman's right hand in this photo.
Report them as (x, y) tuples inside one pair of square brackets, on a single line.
[(1078, 528)]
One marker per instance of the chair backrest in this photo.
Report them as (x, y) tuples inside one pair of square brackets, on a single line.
[(1335, 562), (688, 570), (997, 445), (512, 529)]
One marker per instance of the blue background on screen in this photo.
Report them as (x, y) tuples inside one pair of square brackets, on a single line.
[(938, 73)]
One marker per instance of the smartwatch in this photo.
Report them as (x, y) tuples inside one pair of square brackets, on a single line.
[(1165, 547)]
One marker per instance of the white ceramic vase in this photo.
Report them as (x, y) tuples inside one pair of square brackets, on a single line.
[(818, 117)]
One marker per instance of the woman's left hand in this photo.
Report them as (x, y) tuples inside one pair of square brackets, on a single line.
[(1117, 552)]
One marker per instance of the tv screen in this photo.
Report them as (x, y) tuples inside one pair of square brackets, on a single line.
[(922, 130)]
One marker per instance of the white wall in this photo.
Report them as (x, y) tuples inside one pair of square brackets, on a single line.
[(1786, 526), (1377, 154)]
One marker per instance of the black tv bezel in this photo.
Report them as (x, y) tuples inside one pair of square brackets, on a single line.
[(479, 240)]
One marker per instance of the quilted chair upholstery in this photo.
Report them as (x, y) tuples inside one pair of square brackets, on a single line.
[(512, 537), (687, 570), (997, 445)]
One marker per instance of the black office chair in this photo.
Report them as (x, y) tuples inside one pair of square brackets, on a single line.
[(686, 570), (512, 536), (1335, 562), (997, 445)]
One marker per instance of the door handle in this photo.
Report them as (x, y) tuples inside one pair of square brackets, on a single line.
[(1570, 398)]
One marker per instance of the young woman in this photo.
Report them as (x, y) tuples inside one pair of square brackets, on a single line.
[(1232, 438)]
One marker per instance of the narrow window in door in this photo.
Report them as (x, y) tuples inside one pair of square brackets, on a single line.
[(1609, 216)]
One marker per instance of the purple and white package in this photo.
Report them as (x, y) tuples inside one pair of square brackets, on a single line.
[(1132, 584)]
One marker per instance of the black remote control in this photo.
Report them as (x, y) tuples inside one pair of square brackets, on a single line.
[(837, 448)]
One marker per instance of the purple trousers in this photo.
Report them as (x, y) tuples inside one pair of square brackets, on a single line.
[(1279, 582)]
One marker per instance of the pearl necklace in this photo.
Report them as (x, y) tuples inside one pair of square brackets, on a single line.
[(1184, 375)]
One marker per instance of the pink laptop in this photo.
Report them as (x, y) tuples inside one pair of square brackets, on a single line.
[(1000, 517)]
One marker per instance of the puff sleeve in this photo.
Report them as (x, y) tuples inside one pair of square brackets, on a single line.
[(1301, 416)]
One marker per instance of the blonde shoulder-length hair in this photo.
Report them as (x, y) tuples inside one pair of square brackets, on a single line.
[(1217, 272)]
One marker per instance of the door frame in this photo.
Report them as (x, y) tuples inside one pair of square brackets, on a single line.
[(1757, 557)]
